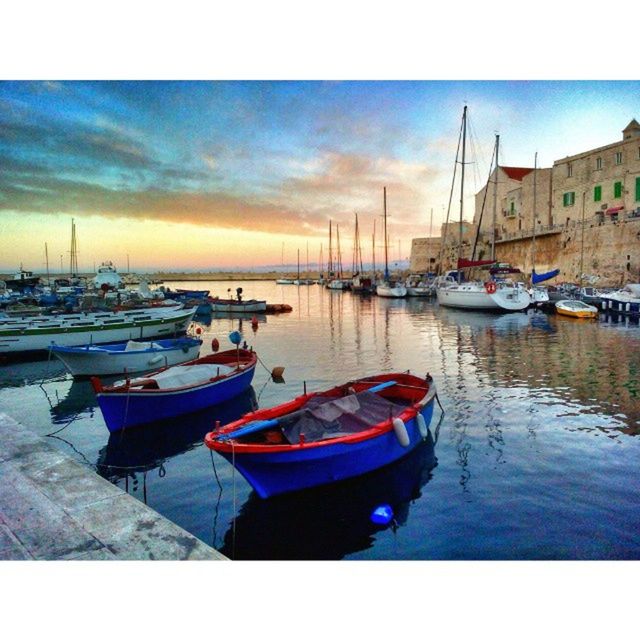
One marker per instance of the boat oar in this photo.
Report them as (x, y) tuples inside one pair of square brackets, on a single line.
[(262, 425)]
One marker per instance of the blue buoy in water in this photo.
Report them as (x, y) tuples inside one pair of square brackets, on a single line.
[(382, 514), (235, 337)]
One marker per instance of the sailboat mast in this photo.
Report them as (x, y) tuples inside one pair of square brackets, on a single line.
[(464, 146), (339, 260), (582, 243), (330, 263), (430, 236), (535, 215), (495, 201), (298, 266), (46, 257), (307, 259), (386, 245), (373, 250)]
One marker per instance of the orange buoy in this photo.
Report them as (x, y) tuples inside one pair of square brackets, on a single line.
[(215, 345)]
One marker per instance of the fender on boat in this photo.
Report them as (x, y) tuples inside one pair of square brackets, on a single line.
[(401, 432), (422, 425), (156, 359)]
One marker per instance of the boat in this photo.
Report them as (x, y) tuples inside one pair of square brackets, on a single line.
[(492, 295), (625, 300), (335, 280), (576, 309), (126, 357), (107, 277), (21, 335), (177, 390), (418, 285), (22, 280), (230, 305), (388, 288), (325, 437), (590, 295)]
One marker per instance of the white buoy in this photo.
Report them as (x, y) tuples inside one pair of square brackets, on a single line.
[(155, 360), (422, 425), (401, 432)]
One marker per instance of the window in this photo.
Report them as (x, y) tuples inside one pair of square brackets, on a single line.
[(512, 209), (569, 198), (619, 157), (597, 193), (617, 189), (638, 189), (598, 164), (638, 153), (569, 169)]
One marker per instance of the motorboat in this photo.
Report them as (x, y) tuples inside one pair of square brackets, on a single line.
[(576, 309)]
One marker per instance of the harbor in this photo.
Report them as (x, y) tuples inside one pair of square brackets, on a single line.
[(538, 419)]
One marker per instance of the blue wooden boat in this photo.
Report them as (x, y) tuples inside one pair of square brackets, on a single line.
[(325, 437), (175, 391)]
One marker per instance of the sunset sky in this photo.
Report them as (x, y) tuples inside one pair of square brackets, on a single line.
[(207, 175)]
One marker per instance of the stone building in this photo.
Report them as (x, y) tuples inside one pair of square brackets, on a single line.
[(607, 245), (424, 254), (606, 179)]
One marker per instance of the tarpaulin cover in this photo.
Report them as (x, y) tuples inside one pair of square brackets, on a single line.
[(323, 418), (541, 277)]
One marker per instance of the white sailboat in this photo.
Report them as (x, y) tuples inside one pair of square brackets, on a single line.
[(387, 288), (490, 295), (335, 283)]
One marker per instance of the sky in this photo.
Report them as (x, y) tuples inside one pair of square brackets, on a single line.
[(234, 174)]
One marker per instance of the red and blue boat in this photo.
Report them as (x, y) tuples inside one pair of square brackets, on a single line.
[(177, 390), (325, 437)]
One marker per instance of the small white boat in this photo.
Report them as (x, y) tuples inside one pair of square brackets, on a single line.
[(336, 284), (391, 290), (284, 281), (420, 286), (126, 357), (108, 277), (238, 306)]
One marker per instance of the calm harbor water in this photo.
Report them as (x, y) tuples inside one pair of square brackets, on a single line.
[(536, 456)]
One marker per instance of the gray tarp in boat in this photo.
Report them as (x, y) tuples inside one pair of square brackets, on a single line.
[(323, 418)]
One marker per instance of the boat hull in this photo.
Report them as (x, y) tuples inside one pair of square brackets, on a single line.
[(83, 362), (391, 292), (250, 306), (276, 473), (33, 337), (479, 299), (124, 410)]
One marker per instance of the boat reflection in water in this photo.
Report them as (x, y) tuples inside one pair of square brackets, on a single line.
[(332, 521), (141, 449), (80, 399)]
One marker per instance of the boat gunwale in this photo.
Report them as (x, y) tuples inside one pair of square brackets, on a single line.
[(232, 446)]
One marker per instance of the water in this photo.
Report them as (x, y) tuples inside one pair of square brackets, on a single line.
[(535, 457)]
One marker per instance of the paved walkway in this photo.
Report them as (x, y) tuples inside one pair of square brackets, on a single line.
[(54, 508)]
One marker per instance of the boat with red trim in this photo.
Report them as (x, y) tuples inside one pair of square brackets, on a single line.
[(177, 390), (324, 437)]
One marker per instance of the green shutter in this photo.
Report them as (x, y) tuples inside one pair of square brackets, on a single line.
[(617, 189), (597, 193), (637, 189), (565, 199)]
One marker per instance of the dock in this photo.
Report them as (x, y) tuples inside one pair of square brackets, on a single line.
[(55, 508)]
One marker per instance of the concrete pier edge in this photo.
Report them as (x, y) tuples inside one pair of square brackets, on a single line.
[(55, 508)]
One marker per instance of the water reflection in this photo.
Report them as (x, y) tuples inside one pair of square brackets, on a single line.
[(138, 450), (330, 522), (78, 400)]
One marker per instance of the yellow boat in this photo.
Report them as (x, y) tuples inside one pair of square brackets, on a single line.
[(576, 309)]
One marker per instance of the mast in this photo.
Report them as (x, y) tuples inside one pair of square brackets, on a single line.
[(46, 257), (386, 246), (339, 258), (535, 216), (283, 257), (464, 146), (430, 236), (330, 263), (321, 262), (307, 259), (582, 242), (373, 250), (298, 267), (495, 201)]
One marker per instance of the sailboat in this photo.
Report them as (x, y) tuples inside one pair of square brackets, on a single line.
[(283, 280), (539, 295), (335, 283), (359, 282), (387, 288), (489, 295)]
